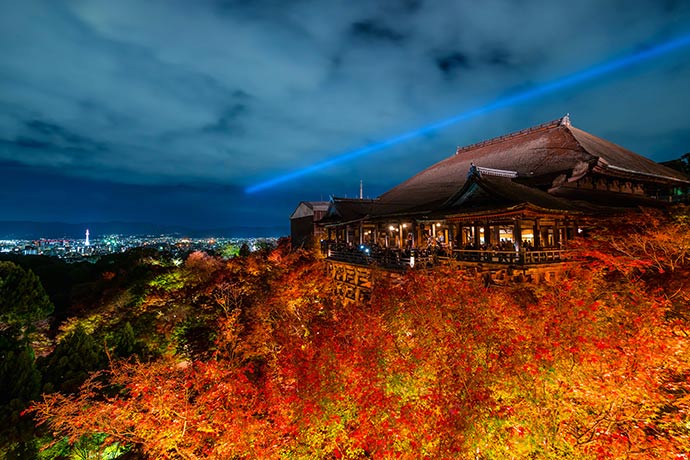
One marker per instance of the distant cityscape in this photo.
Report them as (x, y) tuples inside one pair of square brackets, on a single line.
[(91, 249)]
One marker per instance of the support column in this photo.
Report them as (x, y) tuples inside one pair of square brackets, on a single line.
[(400, 236), (537, 234), (477, 242), (556, 233), (517, 233)]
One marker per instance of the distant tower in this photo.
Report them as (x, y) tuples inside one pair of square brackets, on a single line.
[(361, 190), (86, 243)]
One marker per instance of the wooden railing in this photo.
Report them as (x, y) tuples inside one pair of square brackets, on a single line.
[(396, 258), (521, 257)]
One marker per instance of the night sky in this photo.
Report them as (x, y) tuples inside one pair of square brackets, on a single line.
[(167, 111)]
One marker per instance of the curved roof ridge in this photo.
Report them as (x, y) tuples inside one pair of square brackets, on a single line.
[(453, 159), (563, 121)]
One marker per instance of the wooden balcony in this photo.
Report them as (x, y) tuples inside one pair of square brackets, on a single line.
[(404, 259)]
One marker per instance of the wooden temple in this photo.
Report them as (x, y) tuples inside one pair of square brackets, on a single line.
[(513, 200), (304, 230)]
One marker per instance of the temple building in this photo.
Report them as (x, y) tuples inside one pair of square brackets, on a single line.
[(515, 199), (304, 231)]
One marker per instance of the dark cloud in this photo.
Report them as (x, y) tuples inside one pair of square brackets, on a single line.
[(43, 134), (229, 122), (373, 30), (181, 99), (452, 63), (500, 57)]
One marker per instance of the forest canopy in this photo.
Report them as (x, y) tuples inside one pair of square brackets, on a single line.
[(255, 358)]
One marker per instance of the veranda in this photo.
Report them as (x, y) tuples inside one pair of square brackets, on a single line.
[(507, 238)]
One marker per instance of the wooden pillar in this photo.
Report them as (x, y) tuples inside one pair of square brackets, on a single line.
[(517, 233), (400, 235), (556, 233), (537, 233), (477, 242), (451, 237), (574, 224), (565, 233)]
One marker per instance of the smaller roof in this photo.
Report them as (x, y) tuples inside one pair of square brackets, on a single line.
[(481, 192), (307, 208), (342, 210)]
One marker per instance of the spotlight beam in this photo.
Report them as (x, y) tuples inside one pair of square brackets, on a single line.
[(546, 88)]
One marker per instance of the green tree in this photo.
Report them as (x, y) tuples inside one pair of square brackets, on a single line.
[(230, 251), (22, 297), (22, 301), (20, 383), (244, 250), (73, 359), (124, 341)]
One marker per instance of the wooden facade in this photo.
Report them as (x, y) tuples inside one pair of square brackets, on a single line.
[(304, 230), (510, 204)]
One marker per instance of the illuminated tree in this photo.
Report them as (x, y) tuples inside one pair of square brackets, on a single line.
[(124, 341), (594, 366)]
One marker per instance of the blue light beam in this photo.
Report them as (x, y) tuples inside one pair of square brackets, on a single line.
[(550, 87)]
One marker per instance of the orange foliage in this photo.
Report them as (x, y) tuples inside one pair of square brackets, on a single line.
[(592, 367), (185, 410)]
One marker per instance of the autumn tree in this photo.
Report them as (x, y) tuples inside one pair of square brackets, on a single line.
[(437, 365)]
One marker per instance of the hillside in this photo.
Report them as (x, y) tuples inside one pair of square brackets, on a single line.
[(254, 358)]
